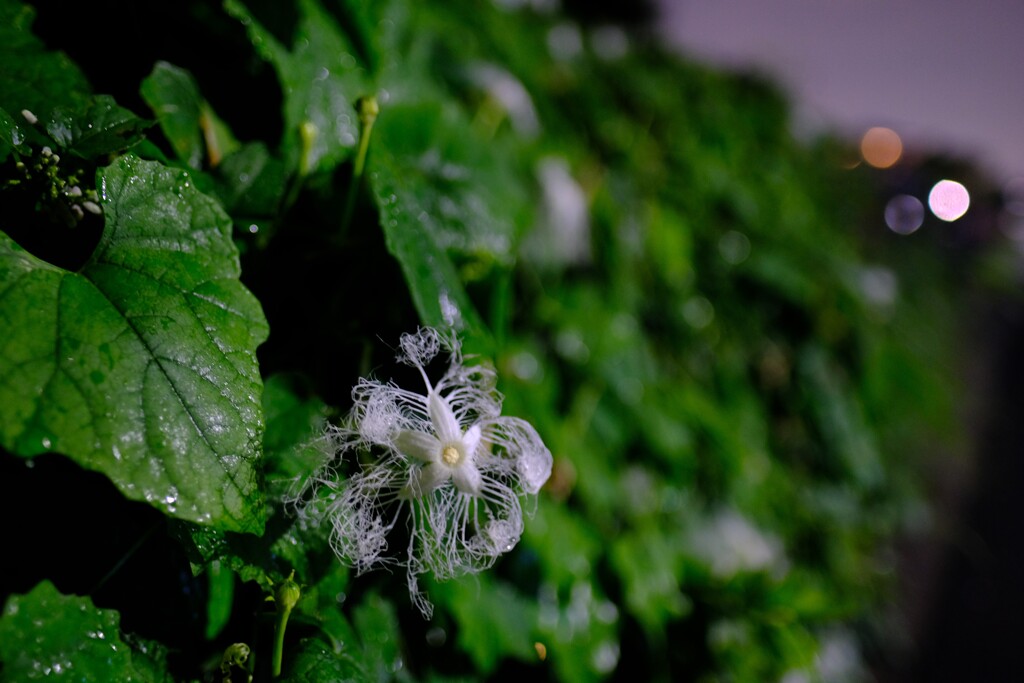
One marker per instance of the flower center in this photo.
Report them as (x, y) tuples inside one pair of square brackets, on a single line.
[(450, 455)]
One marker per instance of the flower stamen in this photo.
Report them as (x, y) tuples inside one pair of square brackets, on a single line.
[(451, 455)]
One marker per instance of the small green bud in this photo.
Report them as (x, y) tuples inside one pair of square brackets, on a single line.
[(288, 594), (368, 109), (235, 657)]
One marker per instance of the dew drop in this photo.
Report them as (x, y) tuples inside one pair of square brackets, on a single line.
[(436, 636)]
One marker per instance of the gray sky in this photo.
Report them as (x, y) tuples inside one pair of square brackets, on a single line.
[(946, 74)]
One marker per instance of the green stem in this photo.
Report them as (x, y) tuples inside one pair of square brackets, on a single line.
[(124, 558), (287, 595), (282, 624), (307, 135), (368, 110)]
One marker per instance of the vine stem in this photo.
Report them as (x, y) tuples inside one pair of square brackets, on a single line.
[(368, 109)]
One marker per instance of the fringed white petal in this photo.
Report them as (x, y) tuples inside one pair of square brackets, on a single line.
[(419, 445), (445, 425), (467, 478), (423, 480), (471, 440)]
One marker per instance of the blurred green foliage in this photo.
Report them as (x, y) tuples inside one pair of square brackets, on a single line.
[(670, 285)]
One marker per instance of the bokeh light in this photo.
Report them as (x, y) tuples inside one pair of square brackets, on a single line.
[(565, 41), (904, 214), (734, 247), (881, 147), (949, 200), (609, 42)]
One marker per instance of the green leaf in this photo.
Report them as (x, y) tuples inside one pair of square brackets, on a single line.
[(265, 559), (251, 182), (321, 83), (33, 77), (412, 230), (11, 135), (566, 545), (377, 625), (55, 91), (321, 604), (469, 199), (46, 635), (221, 583), (495, 621), (141, 365), (173, 95), (312, 662), (96, 128), (293, 424), (436, 289), (840, 418), (186, 119), (649, 563)]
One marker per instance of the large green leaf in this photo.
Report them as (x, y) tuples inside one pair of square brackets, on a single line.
[(470, 199), (450, 206), (141, 365), (47, 635), (436, 288)]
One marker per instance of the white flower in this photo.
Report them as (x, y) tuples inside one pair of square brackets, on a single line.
[(446, 461), (730, 543)]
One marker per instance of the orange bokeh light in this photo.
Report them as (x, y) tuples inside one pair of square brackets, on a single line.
[(881, 147)]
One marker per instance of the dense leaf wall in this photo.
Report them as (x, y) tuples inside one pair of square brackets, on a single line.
[(668, 283)]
